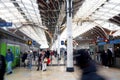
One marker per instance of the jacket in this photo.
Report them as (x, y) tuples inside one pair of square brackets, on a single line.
[(9, 56), (89, 73)]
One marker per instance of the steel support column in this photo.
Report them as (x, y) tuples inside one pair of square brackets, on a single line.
[(70, 67), (58, 49)]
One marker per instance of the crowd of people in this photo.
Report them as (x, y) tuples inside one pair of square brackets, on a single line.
[(105, 57), (43, 58)]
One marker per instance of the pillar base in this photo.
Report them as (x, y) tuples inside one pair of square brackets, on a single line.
[(70, 69)]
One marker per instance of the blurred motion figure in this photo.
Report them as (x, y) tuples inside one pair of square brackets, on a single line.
[(87, 65), (2, 67)]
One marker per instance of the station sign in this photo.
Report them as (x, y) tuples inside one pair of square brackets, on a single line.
[(102, 43), (62, 42), (5, 24), (33, 42)]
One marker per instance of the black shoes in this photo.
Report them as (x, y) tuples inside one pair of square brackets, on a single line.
[(9, 73), (45, 70)]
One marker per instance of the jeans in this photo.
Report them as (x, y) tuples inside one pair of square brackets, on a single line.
[(44, 66), (9, 67)]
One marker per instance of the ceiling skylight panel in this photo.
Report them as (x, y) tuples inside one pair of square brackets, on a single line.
[(15, 21), (31, 12), (109, 6), (110, 15), (29, 7), (13, 10), (35, 5), (22, 30), (113, 11), (5, 0), (41, 33), (88, 7), (117, 8), (4, 11), (1, 6), (18, 15), (22, 20), (9, 4), (99, 13), (103, 18), (28, 30), (9, 15), (26, 1), (34, 18), (21, 5), (116, 1), (110, 26), (99, 21), (103, 9)]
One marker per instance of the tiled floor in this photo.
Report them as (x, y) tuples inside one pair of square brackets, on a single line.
[(58, 73)]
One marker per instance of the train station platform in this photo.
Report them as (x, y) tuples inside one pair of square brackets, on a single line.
[(58, 72)]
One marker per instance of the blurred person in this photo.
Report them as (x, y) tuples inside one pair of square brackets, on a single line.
[(87, 65), (34, 55), (104, 58), (109, 57), (29, 58), (9, 59), (2, 67), (42, 61), (39, 60), (47, 53), (24, 57)]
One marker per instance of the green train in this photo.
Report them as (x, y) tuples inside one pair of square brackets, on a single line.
[(15, 50), (15, 43)]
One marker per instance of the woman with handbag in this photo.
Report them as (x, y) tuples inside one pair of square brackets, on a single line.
[(42, 61)]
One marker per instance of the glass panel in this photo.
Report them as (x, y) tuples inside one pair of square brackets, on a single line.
[(109, 5), (1, 6), (26, 1), (110, 26), (117, 1)]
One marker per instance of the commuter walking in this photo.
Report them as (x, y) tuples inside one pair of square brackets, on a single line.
[(2, 67), (39, 60), (29, 58), (87, 65), (104, 57), (42, 61), (47, 53), (9, 59), (24, 57), (109, 57)]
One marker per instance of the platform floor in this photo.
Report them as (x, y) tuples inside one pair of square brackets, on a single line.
[(58, 73)]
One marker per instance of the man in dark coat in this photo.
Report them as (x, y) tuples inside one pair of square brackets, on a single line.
[(109, 57), (2, 67), (89, 69)]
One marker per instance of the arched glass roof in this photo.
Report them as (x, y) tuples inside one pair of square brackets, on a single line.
[(25, 16), (95, 13)]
